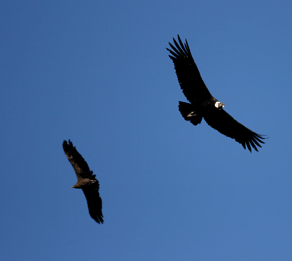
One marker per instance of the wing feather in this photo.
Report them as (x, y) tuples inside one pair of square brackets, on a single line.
[(77, 161), (187, 72), (221, 121), (94, 201)]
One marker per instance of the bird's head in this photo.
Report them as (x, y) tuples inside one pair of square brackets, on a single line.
[(77, 186), (84, 182), (219, 105)]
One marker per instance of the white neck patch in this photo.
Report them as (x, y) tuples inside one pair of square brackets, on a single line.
[(217, 104)]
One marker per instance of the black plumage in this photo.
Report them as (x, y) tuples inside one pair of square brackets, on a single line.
[(86, 181), (202, 103)]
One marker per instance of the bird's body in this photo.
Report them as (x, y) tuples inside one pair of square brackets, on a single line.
[(202, 103), (86, 181)]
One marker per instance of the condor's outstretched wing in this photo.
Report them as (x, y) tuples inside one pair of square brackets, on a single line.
[(221, 121), (94, 201), (78, 163), (187, 72)]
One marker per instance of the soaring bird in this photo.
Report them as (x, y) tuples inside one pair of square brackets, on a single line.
[(86, 181), (202, 103)]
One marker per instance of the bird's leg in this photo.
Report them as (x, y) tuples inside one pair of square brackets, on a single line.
[(192, 114)]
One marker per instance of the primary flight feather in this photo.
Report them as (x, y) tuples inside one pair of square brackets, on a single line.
[(202, 103)]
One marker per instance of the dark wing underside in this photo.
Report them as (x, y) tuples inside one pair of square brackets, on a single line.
[(225, 124), (94, 201), (79, 164), (187, 72)]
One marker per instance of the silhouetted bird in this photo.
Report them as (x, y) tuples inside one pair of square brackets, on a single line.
[(86, 181), (202, 103)]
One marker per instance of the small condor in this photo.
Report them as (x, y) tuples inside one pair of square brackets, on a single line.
[(86, 181)]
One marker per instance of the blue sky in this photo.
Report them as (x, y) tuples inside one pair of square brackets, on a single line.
[(98, 73)]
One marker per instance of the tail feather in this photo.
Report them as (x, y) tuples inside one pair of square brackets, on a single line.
[(188, 113)]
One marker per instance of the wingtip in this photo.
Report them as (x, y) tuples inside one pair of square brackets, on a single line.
[(98, 219), (68, 144), (263, 136)]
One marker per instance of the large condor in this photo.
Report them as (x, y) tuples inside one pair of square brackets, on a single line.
[(86, 181), (202, 103)]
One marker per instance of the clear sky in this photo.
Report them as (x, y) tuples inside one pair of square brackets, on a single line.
[(98, 73)]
